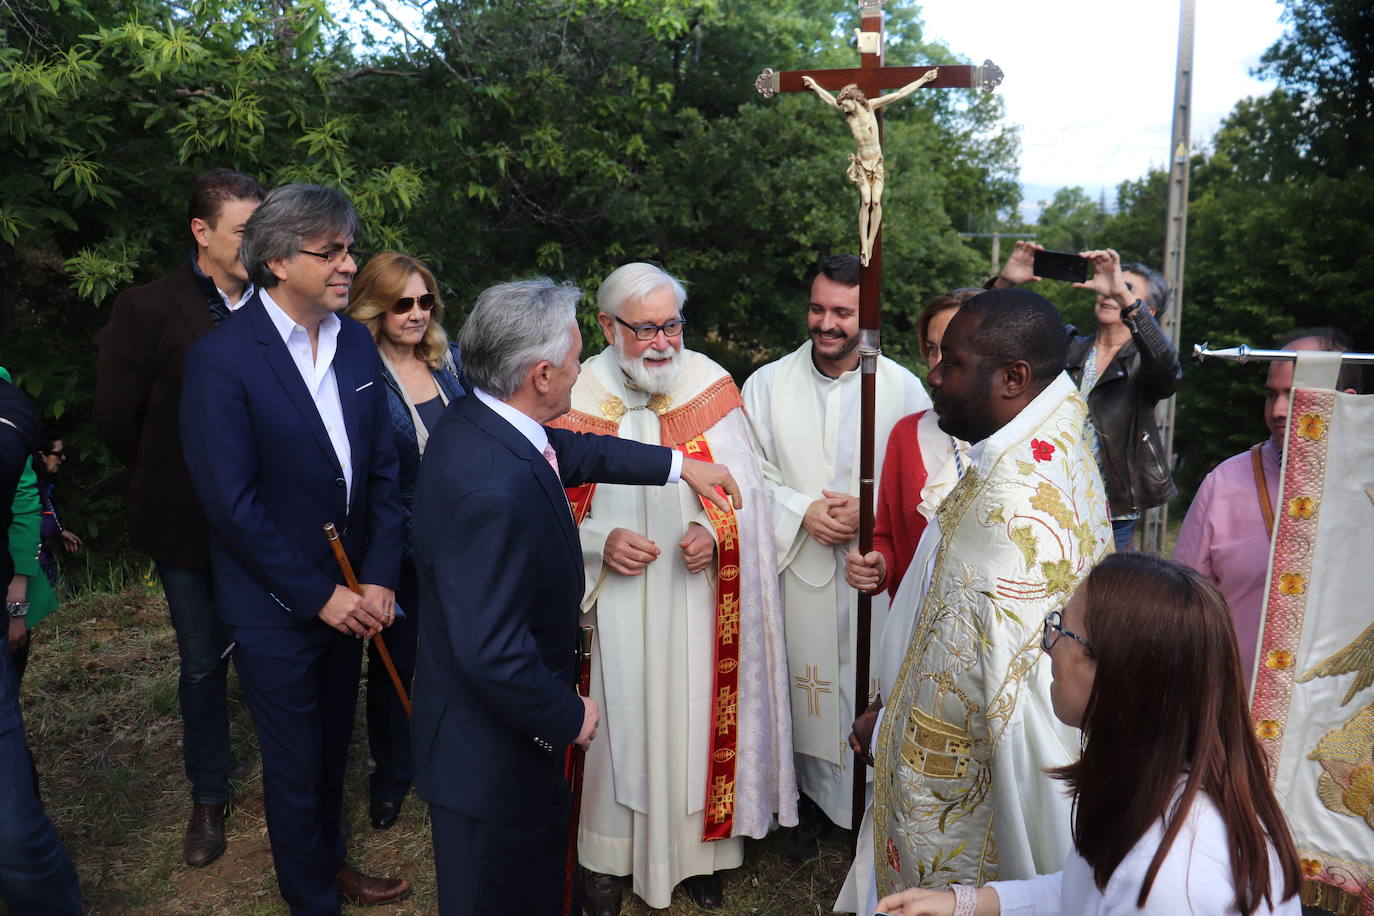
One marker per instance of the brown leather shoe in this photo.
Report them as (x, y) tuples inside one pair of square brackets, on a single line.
[(706, 891), (204, 841), (363, 890), (602, 894)]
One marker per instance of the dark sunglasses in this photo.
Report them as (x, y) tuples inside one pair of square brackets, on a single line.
[(56, 454), (406, 303)]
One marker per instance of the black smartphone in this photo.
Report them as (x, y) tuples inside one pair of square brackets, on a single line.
[(1061, 265)]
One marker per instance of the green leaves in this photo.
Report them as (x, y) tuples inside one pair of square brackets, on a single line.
[(101, 270)]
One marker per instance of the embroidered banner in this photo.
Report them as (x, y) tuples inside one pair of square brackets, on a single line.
[(1313, 708)]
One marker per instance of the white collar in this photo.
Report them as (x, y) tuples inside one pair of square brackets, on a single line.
[(523, 422), (285, 324), (1030, 417)]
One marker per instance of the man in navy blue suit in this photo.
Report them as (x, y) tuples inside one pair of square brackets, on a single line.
[(501, 576), (284, 426)]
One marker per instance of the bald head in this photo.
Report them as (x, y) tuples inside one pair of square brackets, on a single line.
[(1278, 387)]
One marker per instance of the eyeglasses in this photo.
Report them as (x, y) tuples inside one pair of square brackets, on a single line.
[(406, 303), (57, 454), (650, 331), (334, 255), (1054, 625)]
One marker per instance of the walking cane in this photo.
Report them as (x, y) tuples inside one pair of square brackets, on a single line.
[(576, 759), (332, 534)]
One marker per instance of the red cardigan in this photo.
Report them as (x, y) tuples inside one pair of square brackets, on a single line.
[(897, 526)]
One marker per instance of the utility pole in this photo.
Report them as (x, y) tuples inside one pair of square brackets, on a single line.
[(996, 244), (1175, 244)]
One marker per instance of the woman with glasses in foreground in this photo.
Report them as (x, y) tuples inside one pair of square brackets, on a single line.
[(396, 297), (1173, 812)]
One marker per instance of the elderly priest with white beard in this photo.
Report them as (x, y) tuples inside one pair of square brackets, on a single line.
[(690, 664)]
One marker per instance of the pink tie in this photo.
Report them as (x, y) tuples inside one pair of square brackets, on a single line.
[(552, 459)]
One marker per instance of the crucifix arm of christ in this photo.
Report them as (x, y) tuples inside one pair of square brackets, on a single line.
[(866, 164)]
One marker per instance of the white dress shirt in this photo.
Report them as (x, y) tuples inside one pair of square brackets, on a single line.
[(317, 371), (533, 431), (1195, 878)]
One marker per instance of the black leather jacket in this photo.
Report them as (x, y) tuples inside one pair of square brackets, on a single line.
[(1144, 371)]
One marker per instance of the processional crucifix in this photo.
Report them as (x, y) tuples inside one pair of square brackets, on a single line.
[(857, 97)]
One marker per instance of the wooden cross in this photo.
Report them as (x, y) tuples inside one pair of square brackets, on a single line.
[(872, 78)]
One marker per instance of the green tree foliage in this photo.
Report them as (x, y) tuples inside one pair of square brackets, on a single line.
[(500, 139)]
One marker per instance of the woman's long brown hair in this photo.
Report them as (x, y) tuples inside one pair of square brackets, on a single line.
[(1168, 702)]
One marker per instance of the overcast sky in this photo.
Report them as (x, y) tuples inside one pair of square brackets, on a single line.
[(1091, 82)]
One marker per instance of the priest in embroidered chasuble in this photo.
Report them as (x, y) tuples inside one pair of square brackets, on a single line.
[(689, 664), (959, 793), (804, 410)]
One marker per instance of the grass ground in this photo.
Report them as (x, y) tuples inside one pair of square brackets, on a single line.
[(100, 702)]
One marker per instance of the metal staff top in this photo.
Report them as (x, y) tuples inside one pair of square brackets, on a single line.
[(1244, 354)]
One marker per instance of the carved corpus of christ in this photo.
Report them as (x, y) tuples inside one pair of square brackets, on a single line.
[(866, 163)]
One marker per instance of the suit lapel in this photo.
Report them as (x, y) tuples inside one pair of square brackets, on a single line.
[(349, 374), (274, 351), (487, 419)]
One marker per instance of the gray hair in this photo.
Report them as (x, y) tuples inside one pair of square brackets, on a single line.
[(1156, 298), (287, 217), (512, 328), (633, 282)]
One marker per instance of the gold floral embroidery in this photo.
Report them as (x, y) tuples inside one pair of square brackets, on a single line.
[(1311, 868), (1346, 755), (1279, 659), (1048, 501), (1303, 507), (1268, 729), (1311, 426), (1024, 538), (1059, 576), (1292, 584)]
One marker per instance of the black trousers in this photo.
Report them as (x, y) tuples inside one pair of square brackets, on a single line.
[(512, 865)]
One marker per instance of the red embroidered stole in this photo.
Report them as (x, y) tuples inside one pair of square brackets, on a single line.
[(675, 429)]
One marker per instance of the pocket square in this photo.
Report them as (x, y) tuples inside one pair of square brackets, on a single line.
[(361, 387)]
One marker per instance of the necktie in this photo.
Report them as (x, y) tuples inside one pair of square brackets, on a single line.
[(552, 459)]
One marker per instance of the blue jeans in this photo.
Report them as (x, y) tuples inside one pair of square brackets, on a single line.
[(388, 726), (1122, 531), (203, 686), (36, 874)]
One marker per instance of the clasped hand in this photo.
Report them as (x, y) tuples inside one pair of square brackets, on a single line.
[(833, 519), (362, 615)]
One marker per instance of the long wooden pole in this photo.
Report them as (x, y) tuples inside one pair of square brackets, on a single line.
[(870, 318), (336, 545)]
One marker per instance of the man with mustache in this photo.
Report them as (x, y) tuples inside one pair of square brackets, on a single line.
[(689, 664), (804, 409)]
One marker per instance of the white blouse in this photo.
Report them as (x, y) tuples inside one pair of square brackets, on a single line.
[(1195, 877)]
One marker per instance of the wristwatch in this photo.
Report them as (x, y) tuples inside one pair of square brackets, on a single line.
[(17, 608)]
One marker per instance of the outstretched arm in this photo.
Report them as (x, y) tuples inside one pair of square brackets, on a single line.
[(908, 89), (826, 97)]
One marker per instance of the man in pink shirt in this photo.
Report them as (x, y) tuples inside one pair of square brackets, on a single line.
[(1226, 534)]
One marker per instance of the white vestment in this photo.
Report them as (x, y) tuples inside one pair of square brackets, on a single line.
[(807, 425), (968, 727), (645, 786)]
